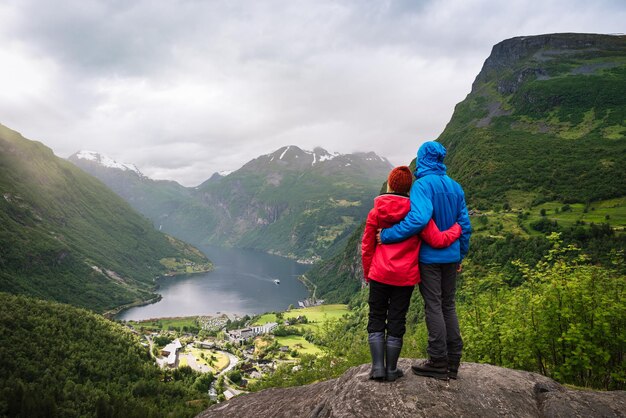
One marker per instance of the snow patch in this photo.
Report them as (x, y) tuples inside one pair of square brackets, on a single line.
[(108, 162), (284, 152), (225, 172), (328, 157)]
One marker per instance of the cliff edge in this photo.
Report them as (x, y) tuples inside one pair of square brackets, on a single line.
[(481, 390)]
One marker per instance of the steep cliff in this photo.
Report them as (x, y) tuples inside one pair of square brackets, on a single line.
[(545, 120)]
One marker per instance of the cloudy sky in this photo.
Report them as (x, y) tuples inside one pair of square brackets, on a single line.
[(184, 88)]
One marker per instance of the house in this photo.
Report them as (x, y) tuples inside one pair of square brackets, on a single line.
[(170, 351), (229, 393), (255, 374), (205, 344), (310, 302), (238, 336)]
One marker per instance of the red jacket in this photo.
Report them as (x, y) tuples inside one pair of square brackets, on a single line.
[(398, 264)]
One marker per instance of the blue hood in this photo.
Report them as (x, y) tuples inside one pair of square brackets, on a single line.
[(434, 196), (430, 159)]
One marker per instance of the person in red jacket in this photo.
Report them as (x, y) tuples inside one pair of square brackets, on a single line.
[(392, 272)]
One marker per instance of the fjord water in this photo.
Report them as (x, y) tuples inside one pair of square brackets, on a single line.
[(241, 283)]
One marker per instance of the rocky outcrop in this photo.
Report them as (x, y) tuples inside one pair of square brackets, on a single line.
[(481, 391), (508, 54)]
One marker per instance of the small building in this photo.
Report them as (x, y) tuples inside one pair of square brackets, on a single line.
[(255, 374), (170, 352), (239, 336), (310, 302), (205, 344)]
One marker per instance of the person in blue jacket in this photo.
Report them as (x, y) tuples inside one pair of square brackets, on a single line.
[(435, 195)]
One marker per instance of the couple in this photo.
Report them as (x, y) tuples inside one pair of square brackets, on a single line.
[(395, 259)]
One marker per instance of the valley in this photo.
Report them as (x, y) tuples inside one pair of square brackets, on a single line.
[(291, 202)]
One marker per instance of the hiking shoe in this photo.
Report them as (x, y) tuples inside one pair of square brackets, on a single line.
[(453, 371), (453, 367), (435, 368)]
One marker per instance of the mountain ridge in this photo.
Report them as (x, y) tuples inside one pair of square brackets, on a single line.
[(291, 202)]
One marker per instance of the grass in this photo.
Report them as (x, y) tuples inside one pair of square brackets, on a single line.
[(222, 360), (166, 323), (315, 314), (299, 343), (596, 212), (182, 361), (493, 223)]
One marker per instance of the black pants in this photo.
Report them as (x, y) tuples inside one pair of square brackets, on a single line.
[(438, 288), (388, 307)]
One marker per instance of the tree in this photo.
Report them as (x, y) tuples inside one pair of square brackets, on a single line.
[(566, 320)]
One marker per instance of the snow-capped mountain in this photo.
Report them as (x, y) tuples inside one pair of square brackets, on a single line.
[(293, 157), (104, 161)]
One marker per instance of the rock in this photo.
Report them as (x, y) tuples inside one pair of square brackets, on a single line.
[(481, 391)]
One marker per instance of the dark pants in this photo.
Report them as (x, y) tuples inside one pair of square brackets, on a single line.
[(438, 287), (388, 307)]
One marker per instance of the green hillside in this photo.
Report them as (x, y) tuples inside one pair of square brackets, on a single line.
[(64, 236), (155, 199), (303, 217), (545, 121), (61, 361)]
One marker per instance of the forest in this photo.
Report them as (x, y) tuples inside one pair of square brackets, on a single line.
[(62, 361)]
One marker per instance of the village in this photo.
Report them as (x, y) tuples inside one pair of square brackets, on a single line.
[(236, 351)]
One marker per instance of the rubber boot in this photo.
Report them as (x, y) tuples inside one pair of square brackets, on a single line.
[(377, 349), (453, 367), (437, 368), (394, 346)]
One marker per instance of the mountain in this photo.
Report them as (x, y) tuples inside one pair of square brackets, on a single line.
[(482, 391), (541, 135), (545, 121), (61, 361), (65, 236), (296, 203), (153, 198)]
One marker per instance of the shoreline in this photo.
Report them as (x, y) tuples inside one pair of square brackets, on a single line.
[(112, 313), (181, 273)]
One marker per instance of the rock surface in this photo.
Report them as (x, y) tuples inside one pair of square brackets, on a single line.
[(481, 391)]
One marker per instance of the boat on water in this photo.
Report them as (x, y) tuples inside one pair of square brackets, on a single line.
[(276, 281)]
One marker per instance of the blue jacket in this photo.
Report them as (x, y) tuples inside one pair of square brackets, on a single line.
[(433, 195)]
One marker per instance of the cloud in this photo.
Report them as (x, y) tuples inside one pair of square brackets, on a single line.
[(185, 88)]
